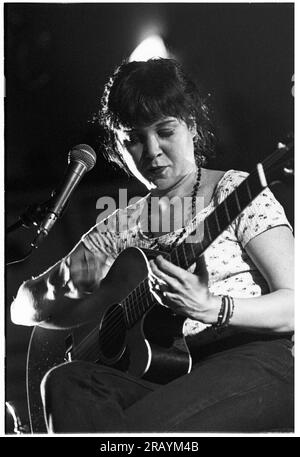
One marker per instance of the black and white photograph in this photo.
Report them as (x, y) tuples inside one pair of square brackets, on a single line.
[(149, 222)]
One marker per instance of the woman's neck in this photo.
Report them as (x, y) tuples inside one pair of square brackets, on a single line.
[(181, 188)]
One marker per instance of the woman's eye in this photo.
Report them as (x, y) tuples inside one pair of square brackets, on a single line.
[(165, 133)]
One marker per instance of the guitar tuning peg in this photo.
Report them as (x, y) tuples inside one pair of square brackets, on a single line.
[(286, 141), (289, 170), (281, 145)]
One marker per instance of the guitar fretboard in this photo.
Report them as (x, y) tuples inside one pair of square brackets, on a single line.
[(216, 222)]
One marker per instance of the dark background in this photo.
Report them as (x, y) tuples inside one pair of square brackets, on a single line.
[(57, 59)]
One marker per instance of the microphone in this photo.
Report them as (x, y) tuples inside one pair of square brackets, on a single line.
[(81, 159)]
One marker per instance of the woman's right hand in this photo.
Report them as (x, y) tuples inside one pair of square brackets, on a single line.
[(85, 269)]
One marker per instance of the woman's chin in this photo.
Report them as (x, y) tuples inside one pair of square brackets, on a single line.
[(161, 180), (161, 183)]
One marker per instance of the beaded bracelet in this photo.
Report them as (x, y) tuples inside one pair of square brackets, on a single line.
[(221, 314), (232, 308), (225, 313)]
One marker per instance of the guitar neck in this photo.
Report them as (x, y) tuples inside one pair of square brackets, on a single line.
[(217, 221)]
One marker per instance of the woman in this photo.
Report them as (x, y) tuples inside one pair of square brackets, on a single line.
[(239, 294)]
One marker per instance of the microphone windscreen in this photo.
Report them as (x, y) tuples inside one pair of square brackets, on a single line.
[(83, 153)]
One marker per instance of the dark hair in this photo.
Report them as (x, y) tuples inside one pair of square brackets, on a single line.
[(140, 93)]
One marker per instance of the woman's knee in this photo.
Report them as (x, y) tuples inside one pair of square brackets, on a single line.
[(58, 378)]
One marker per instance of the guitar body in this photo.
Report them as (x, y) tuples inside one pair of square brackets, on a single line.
[(152, 348), (46, 350)]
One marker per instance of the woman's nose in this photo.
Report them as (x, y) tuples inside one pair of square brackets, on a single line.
[(152, 147)]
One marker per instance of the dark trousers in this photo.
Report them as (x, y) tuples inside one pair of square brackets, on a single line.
[(245, 388)]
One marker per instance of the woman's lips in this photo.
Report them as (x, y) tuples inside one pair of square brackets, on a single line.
[(157, 171)]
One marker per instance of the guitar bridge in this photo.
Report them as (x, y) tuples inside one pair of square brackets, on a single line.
[(69, 347)]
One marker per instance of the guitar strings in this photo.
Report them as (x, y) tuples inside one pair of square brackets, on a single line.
[(111, 323)]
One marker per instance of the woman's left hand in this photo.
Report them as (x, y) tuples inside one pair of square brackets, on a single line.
[(184, 292)]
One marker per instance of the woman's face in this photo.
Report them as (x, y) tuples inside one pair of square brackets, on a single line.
[(163, 152)]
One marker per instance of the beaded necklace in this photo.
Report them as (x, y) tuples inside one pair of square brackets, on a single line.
[(184, 229)]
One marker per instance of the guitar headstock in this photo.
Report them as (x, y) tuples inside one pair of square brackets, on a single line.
[(289, 166), (279, 166)]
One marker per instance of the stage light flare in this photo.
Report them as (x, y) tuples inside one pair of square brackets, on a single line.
[(153, 46)]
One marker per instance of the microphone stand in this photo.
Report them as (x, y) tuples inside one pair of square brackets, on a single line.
[(32, 217), (81, 159)]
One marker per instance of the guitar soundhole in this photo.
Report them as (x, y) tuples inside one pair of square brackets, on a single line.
[(112, 334)]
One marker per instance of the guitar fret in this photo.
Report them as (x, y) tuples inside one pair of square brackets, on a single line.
[(231, 209), (189, 254), (237, 200), (178, 250), (243, 195), (248, 189), (206, 226), (174, 253), (214, 232), (185, 257), (256, 185), (217, 219), (227, 210), (178, 254), (223, 218), (193, 251)]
